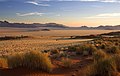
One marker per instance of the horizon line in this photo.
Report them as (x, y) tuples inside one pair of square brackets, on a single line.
[(57, 23)]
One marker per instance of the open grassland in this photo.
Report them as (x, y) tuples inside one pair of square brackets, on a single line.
[(100, 57), (58, 55), (25, 45), (80, 59)]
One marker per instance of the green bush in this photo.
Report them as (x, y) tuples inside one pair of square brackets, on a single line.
[(32, 60)]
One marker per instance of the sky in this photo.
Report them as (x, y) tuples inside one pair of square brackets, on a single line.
[(68, 12)]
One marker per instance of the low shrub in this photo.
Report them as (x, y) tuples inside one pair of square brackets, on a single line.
[(64, 54), (71, 48), (32, 60), (55, 51), (55, 56), (86, 49), (79, 50), (103, 46), (113, 50), (67, 63)]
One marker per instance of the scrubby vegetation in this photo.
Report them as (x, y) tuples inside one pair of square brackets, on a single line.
[(117, 61), (25, 45), (31, 60), (112, 49), (15, 61), (67, 63), (104, 54), (106, 58), (13, 37), (86, 49), (99, 55), (105, 67)]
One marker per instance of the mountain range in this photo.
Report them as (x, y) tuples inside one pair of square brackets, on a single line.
[(56, 26)]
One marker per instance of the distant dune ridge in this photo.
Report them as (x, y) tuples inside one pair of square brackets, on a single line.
[(56, 26)]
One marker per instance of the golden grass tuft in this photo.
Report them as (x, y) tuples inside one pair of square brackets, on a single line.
[(113, 50), (15, 60), (117, 61), (3, 63), (32, 60), (99, 55), (105, 67)]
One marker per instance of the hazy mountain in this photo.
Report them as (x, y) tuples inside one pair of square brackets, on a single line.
[(34, 25), (17, 25), (117, 27), (56, 26)]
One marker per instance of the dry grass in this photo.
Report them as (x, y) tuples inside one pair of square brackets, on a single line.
[(86, 49), (32, 60), (117, 61), (99, 55), (113, 50), (67, 63), (105, 67), (3, 63), (13, 46), (15, 60)]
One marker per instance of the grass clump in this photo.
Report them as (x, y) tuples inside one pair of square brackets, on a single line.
[(67, 63), (3, 63), (32, 60), (117, 61), (99, 55), (15, 61), (86, 49), (103, 46), (113, 50), (105, 67)]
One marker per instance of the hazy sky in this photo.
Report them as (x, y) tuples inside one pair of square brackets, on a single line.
[(68, 12)]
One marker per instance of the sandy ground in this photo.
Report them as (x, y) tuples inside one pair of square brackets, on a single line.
[(23, 31)]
